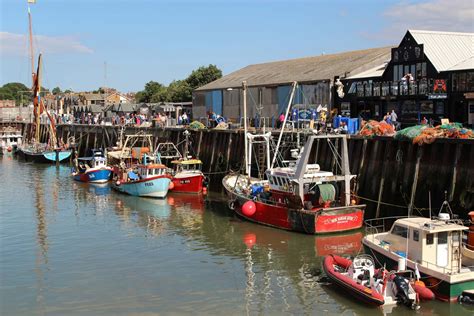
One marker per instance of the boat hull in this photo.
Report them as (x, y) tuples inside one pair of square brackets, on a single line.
[(188, 184), (155, 187), (349, 285), (304, 221), (44, 156), (443, 290), (101, 175)]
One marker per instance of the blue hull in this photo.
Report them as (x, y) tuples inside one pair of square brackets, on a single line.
[(95, 176), (62, 155), (149, 188)]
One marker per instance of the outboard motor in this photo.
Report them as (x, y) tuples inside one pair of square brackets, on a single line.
[(402, 291)]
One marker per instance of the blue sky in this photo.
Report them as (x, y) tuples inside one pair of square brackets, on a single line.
[(164, 40)]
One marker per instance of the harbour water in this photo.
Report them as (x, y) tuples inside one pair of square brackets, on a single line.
[(68, 248)]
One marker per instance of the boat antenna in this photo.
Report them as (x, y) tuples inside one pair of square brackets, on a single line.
[(284, 123)]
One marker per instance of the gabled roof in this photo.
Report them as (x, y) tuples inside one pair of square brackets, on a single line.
[(317, 68), (94, 96), (446, 50), (373, 72)]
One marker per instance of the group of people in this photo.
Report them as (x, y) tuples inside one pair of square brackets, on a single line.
[(392, 119)]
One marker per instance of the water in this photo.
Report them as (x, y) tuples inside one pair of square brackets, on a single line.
[(75, 249)]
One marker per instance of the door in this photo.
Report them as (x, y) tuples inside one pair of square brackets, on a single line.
[(442, 249), (217, 101)]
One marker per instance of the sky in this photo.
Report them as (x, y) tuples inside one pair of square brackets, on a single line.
[(124, 44)]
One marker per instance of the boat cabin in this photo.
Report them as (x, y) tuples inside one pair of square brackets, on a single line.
[(188, 165), (150, 170), (434, 243)]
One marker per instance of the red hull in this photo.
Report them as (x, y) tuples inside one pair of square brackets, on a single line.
[(329, 220), (192, 184)]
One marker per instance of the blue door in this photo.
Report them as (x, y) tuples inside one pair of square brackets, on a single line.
[(217, 101)]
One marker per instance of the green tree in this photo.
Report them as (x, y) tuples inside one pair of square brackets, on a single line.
[(15, 91), (203, 75), (68, 91), (56, 91), (151, 88), (179, 91)]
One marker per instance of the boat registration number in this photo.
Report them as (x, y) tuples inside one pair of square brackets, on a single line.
[(149, 184)]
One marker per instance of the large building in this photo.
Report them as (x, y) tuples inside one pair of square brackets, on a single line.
[(429, 74)]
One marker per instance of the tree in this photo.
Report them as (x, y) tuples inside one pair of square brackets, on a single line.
[(56, 91), (15, 91), (203, 75), (68, 91), (151, 88), (179, 91)]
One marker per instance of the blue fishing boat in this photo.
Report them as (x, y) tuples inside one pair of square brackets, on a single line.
[(92, 169), (149, 180), (140, 171)]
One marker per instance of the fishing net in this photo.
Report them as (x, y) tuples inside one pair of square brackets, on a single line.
[(375, 128), (197, 125), (423, 134)]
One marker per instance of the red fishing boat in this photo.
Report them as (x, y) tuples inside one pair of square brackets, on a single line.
[(299, 197), (187, 174)]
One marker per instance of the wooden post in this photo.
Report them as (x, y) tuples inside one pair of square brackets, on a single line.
[(453, 181), (419, 153)]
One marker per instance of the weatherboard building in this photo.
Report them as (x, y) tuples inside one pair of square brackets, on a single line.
[(429, 74)]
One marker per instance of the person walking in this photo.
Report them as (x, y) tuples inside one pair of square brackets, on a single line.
[(394, 118)]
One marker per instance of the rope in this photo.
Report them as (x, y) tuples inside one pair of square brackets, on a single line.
[(388, 204)]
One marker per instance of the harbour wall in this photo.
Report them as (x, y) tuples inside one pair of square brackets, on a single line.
[(393, 177)]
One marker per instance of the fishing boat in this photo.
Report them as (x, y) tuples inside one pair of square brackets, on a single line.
[(140, 172), (360, 279), (188, 177), (33, 150), (10, 139), (92, 169), (431, 245), (297, 196)]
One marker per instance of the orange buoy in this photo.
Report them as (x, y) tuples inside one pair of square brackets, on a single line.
[(204, 190), (249, 208), (171, 186)]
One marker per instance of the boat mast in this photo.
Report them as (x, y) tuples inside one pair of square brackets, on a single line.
[(284, 123), (31, 47), (244, 95)]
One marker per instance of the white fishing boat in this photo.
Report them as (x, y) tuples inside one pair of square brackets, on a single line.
[(431, 245)]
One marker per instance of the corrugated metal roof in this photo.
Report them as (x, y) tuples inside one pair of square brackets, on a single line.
[(307, 69), (445, 49), (373, 72), (466, 64)]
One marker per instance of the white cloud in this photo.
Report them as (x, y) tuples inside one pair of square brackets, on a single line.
[(433, 15), (17, 44)]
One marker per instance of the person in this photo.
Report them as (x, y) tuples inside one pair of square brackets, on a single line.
[(344, 129), (424, 121), (394, 118), (281, 119), (388, 119), (184, 118)]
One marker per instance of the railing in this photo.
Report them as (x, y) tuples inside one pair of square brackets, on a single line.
[(401, 88)]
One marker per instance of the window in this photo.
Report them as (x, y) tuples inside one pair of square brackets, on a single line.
[(462, 82), (368, 88), (353, 88), (423, 69), (396, 76), (470, 81), (413, 70), (442, 238), (418, 71), (416, 235), (454, 82), (376, 89), (429, 239), (400, 231)]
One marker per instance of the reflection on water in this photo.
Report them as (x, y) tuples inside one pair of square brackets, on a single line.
[(70, 248)]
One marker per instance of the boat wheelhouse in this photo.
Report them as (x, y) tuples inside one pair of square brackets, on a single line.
[(431, 246), (92, 169)]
